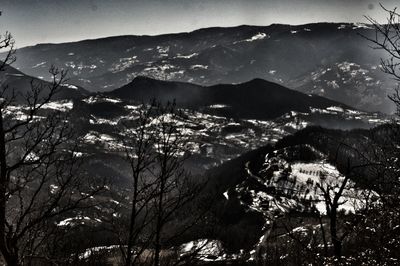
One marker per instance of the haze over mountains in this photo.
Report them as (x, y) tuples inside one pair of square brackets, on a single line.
[(327, 59)]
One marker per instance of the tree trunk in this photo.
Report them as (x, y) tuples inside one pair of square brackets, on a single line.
[(158, 232), (9, 256), (11, 259), (323, 235), (159, 224), (132, 224), (337, 244)]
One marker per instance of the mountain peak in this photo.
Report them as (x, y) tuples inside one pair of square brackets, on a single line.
[(259, 81)]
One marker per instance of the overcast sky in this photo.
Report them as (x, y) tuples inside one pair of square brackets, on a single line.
[(43, 21)]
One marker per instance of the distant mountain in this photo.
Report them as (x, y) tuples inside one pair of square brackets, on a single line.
[(328, 59), (255, 99), (20, 84), (363, 86)]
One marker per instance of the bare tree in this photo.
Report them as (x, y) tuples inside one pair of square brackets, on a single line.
[(39, 178), (387, 39), (333, 200), (381, 223), (171, 191), (334, 194), (139, 153), (155, 147)]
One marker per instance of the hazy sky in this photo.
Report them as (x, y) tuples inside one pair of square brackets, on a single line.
[(40, 21)]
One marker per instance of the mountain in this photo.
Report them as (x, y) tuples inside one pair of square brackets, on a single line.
[(257, 191), (351, 83), (220, 122), (20, 84), (294, 56), (255, 99)]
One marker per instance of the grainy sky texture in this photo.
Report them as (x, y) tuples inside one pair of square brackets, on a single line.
[(44, 21)]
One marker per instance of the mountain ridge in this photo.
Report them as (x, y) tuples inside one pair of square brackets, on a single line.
[(264, 99), (20, 83), (192, 31), (327, 59)]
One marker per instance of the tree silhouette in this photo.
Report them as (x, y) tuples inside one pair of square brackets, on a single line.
[(39, 165)]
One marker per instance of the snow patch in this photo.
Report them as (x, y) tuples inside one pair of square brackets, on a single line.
[(39, 64), (204, 249), (218, 106), (187, 56), (74, 220), (195, 67), (335, 109), (70, 86), (62, 106), (258, 36), (97, 99)]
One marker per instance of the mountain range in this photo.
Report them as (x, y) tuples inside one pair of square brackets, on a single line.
[(328, 59), (262, 111)]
